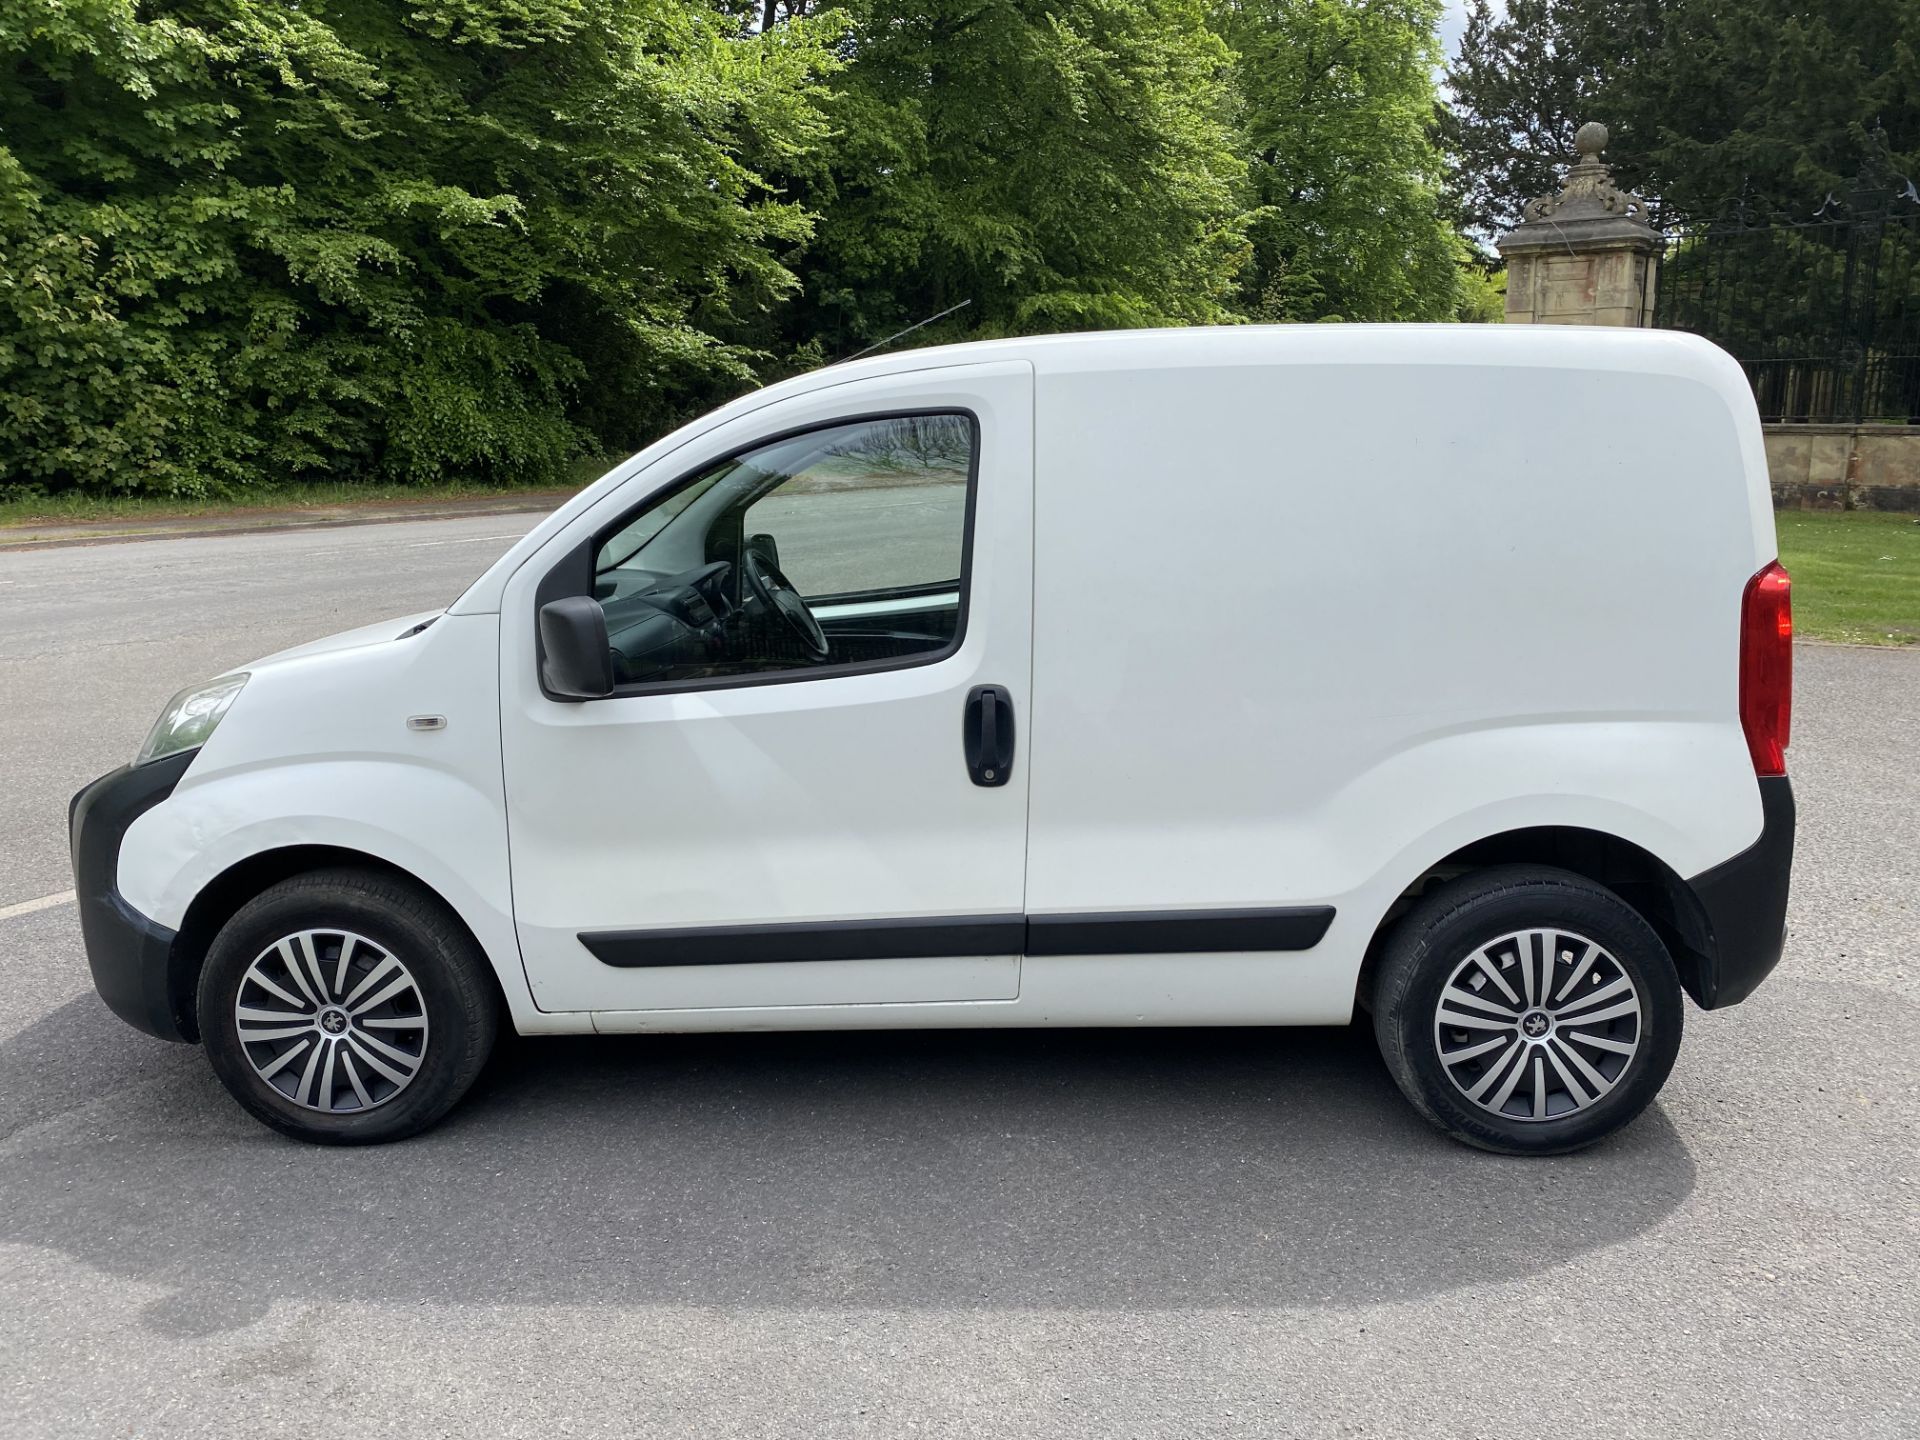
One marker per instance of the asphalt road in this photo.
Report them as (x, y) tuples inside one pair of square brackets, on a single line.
[(1096, 1235)]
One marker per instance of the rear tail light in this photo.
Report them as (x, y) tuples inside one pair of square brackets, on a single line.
[(1766, 668)]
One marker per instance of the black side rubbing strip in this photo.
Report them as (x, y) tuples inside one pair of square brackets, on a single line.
[(1173, 931), (837, 940), (1124, 933)]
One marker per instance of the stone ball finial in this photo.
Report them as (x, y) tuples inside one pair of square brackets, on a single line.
[(1588, 200)]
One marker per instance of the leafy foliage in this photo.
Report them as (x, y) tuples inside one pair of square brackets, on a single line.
[(1529, 73), (242, 240), (1338, 112), (1768, 104), (1061, 164)]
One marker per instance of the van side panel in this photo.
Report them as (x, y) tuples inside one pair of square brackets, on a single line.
[(1302, 628)]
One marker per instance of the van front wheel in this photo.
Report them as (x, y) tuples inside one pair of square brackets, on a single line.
[(344, 1007), (1527, 1011)]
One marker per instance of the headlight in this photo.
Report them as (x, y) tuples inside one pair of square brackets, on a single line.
[(190, 717)]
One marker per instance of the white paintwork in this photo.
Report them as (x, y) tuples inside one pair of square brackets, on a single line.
[(839, 798), (316, 751), (1288, 615)]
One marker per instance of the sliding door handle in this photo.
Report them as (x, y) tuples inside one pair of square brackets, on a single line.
[(986, 734)]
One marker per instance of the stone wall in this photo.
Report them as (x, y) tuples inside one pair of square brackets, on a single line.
[(1844, 467)]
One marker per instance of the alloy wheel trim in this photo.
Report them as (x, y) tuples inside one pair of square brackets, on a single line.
[(331, 1021), (1538, 1024)]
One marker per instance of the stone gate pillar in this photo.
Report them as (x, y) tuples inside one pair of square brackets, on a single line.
[(1585, 256)]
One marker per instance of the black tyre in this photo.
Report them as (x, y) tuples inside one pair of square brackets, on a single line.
[(1526, 1010), (345, 1007)]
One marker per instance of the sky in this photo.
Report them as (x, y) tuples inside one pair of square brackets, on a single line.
[(1451, 25)]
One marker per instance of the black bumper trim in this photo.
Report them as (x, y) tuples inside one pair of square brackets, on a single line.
[(131, 957), (1744, 901)]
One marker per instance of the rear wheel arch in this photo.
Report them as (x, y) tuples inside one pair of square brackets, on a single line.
[(223, 897), (1645, 882), (1484, 1022)]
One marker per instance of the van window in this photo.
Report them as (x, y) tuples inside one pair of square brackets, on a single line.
[(839, 547)]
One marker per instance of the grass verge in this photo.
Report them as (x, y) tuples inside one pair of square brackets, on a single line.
[(1856, 575), (73, 509)]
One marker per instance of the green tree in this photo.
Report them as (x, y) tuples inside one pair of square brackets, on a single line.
[(1775, 103), (1527, 76), (242, 239), (1061, 164), (1337, 115), (1769, 104)]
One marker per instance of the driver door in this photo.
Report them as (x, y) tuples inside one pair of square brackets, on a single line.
[(749, 824)]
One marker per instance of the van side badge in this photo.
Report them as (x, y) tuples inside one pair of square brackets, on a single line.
[(426, 722)]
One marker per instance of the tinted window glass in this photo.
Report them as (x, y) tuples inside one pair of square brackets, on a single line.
[(842, 546), (883, 511)]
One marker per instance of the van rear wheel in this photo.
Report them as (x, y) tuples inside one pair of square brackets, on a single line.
[(344, 1007), (1527, 1010)]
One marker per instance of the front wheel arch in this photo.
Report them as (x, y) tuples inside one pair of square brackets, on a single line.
[(404, 992), (223, 896)]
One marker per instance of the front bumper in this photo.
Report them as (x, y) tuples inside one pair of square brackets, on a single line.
[(1744, 903), (132, 958)]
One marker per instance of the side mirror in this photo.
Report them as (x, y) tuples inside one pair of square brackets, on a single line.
[(764, 548), (576, 662)]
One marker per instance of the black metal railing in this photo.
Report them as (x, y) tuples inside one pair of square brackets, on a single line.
[(1823, 312)]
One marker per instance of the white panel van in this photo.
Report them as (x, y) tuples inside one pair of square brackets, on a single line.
[(1252, 676)]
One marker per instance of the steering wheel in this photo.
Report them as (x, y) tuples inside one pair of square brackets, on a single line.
[(776, 592)]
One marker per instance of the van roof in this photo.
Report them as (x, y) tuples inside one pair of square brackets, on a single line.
[(1590, 347)]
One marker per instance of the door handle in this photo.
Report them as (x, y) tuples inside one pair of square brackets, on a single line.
[(986, 734)]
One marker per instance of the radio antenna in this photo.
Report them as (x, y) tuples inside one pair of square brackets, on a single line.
[(900, 334)]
